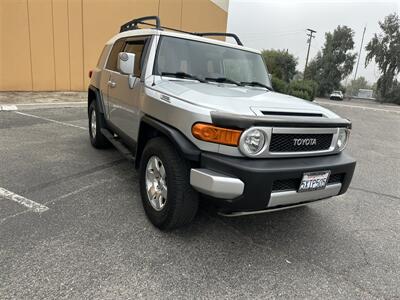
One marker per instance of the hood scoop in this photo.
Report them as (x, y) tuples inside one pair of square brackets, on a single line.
[(290, 114)]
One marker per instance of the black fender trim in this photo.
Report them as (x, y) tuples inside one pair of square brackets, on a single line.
[(186, 147), (97, 93)]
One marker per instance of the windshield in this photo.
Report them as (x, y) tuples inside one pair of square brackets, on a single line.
[(209, 61)]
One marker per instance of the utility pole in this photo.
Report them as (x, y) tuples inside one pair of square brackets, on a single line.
[(359, 54), (310, 37)]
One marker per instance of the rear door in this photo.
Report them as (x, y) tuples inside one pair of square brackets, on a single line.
[(105, 76), (124, 100)]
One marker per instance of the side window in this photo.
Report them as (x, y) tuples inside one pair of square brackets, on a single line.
[(112, 58), (103, 57), (136, 46)]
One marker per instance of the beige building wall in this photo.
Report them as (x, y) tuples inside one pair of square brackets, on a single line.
[(48, 45)]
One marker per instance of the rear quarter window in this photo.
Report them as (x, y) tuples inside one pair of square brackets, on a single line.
[(112, 58), (103, 57)]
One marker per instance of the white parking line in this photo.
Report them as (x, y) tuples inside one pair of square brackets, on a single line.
[(29, 106), (360, 107), (52, 103), (32, 205), (50, 120), (8, 107)]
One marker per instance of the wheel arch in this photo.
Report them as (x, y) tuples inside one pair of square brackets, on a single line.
[(150, 128), (95, 95)]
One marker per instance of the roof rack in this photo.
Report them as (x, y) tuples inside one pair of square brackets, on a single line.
[(232, 35), (133, 25)]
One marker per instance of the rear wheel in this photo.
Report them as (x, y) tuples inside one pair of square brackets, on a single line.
[(96, 123), (168, 198)]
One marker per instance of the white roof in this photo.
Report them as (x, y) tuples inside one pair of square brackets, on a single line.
[(139, 32)]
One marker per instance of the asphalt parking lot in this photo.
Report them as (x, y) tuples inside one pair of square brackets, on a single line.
[(85, 234)]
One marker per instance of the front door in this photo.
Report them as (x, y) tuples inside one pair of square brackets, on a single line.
[(124, 100)]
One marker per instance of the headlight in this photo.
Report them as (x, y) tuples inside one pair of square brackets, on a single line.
[(252, 141), (343, 137)]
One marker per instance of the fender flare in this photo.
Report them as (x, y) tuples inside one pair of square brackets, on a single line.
[(186, 147), (98, 97)]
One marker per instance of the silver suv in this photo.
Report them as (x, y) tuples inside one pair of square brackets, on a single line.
[(198, 116)]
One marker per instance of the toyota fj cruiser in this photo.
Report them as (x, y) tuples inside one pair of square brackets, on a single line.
[(199, 116)]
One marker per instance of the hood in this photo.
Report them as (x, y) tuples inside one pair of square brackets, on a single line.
[(238, 100)]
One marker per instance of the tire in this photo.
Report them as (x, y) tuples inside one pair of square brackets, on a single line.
[(181, 203), (97, 139)]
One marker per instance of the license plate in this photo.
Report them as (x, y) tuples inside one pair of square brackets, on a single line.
[(314, 181)]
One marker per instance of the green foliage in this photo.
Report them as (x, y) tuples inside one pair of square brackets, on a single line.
[(384, 49), (300, 94), (279, 85), (357, 84), (393, 96), (305, 89), (280, 63), (335, 61)]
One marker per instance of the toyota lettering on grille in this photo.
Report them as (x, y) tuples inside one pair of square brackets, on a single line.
[(304, 142)]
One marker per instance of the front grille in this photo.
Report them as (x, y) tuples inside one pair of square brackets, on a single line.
[(286, 142), (293, 184)]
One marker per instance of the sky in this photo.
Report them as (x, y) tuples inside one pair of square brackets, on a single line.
[(282, 24)]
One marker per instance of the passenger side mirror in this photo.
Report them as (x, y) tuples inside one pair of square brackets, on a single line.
[(126, 65)]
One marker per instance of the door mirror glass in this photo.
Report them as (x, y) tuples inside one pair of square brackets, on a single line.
[(126, 63)]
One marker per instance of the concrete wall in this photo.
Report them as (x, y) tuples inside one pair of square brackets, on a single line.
[(48, 45)]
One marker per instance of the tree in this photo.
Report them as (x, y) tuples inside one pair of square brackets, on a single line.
[(280, 63), (384, 49), (357, 84), (335, 62), (285, 79)]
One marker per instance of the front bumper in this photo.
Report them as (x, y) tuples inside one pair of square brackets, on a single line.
[(249, 185)]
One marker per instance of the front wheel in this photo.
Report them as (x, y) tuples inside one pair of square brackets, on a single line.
[(168, 198)]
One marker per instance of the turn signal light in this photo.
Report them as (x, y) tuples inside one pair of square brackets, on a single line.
[(214, 134)]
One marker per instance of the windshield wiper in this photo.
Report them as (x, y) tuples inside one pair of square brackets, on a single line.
[(223, 80), (182, 75), (256, 83)]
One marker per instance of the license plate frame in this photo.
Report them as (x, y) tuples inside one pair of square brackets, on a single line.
[(314, 181)]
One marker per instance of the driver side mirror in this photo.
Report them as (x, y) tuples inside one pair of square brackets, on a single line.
[(126, 66), (126, 63)]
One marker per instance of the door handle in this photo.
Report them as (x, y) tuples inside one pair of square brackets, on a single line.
[(111, 83)]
